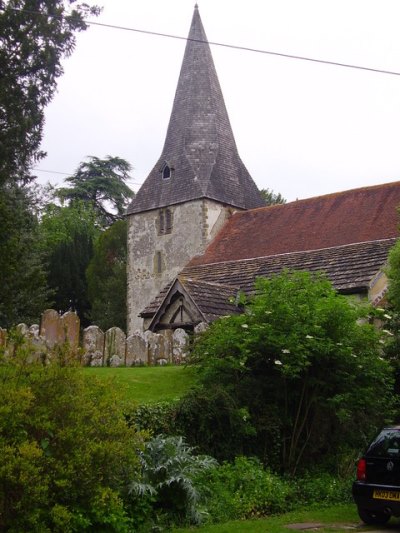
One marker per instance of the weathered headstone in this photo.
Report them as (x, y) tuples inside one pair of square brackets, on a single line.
[(136, 350), (168, 344), (181, 343), (114, 345), (156, 348), (34, 331), (70, 324), (51, 328), (200, 327), (22, 329), (93, 346)]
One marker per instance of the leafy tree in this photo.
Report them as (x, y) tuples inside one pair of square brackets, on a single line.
[(67, 455), (272, 198), (106, 277), (68, 235), (23, 292), (102, 183), (34, 37), (310, 374)]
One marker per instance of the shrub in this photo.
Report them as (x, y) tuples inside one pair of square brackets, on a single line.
[(169, 471), (66, 452), (300, 362), (244, 489)]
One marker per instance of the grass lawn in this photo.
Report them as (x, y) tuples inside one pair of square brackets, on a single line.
[(148, 383), (335, 519)]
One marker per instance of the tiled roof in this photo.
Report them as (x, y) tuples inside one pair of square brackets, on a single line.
[(199, 147), (358, 215), (350, 268), (212, 299)]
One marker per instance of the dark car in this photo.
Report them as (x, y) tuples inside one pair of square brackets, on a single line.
[(377, 488)]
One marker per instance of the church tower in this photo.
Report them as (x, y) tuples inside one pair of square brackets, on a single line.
[(196, 184)]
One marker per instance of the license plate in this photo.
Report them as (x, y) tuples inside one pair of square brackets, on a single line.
[(386, 495)]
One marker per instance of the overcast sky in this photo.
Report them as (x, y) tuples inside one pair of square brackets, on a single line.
[(302, 129)]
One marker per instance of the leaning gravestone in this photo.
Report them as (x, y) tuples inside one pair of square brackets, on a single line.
[(114, 346), (93, 346), (136, 350)]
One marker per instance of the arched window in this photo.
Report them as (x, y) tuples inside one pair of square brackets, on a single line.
[(166, 172)]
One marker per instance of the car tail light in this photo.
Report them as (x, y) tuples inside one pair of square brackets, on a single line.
[(361, 470)]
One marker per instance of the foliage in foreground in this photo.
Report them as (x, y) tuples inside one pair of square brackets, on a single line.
[(301, 368), (169, 471), (66, 452), (245, 489)]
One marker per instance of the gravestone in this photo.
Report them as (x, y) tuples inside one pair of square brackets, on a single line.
[(156, 347), (93, 346), (51, 328), (180, 346), (114, 345), (70, 325), (3, 338), (136, 350)]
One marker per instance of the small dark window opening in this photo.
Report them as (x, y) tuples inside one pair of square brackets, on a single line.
[(158, 262), (166, 173), (164, 221), (168, 221), (161, 222)]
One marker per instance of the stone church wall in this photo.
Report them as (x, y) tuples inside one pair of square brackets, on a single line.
[(155, 258)]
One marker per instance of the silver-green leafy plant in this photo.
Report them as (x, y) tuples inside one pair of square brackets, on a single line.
[(169, 471)]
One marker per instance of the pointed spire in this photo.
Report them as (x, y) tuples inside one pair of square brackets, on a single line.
[(199, 158)]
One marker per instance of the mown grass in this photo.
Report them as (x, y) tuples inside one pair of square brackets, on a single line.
[(334, 519), (147, 384)]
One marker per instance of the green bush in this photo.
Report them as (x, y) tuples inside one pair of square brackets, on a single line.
[(66, 452), (323, 488), (244, 489), (156, 418)]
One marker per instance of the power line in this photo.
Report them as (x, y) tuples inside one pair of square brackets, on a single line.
[(224, 45)]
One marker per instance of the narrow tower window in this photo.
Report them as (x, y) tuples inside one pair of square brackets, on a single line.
[(166, 173), (168, 221), (158, 263), (164, 222)]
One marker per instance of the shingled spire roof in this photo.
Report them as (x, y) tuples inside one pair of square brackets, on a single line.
[(200, 157)]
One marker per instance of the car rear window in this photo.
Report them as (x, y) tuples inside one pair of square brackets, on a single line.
[(386, 444)]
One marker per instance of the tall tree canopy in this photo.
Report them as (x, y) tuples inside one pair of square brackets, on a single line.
[(102, 183), (272, 198), (68, 235), (106, 276), (34, 37), (23, 288)]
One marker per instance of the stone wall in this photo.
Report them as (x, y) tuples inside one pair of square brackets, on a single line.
[(155, 258), (59, 335)]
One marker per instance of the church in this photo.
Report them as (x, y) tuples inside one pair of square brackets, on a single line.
[(199, 233)]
